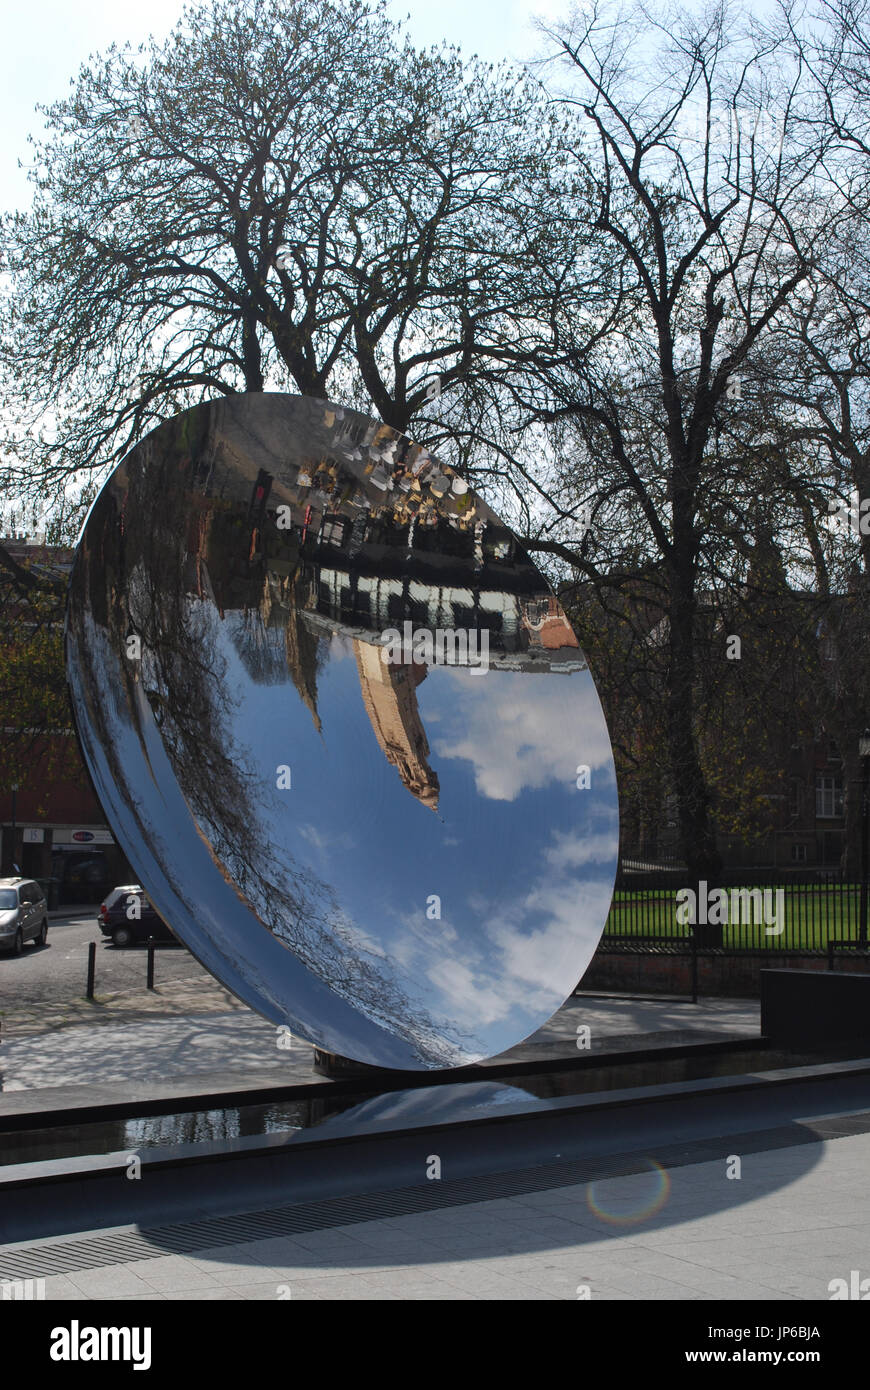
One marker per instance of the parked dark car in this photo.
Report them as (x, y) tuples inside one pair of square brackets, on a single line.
[(129, 918)]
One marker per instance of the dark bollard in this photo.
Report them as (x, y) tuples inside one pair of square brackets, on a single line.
[(150, 964), (92, 968)]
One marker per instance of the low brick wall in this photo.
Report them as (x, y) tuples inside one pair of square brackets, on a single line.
[(732, 976)]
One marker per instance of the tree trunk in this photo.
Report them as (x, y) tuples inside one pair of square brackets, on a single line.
[(251, 354), (697, 836)]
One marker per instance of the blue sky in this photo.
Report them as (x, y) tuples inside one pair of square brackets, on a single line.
[(45, 42), (522, 861)]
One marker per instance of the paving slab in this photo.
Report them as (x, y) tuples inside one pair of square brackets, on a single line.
[(626, 1264), (187, 1042)]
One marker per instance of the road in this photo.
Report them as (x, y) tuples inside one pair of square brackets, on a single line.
[(57, 972)]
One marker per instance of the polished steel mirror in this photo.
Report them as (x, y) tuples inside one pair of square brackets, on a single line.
[(343, 731)]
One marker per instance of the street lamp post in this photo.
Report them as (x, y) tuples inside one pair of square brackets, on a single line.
[(14, 827), (864, 753)]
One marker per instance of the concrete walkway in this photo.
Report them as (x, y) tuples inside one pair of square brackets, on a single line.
[(787, 1228), (180, 1034)]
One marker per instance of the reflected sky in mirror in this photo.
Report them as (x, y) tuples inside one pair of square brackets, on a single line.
[(335, 717)]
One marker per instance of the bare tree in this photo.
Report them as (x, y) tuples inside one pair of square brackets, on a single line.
[(282, 195), (704, 195)]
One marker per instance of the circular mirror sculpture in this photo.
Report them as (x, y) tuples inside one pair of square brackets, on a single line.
[(343, 731)]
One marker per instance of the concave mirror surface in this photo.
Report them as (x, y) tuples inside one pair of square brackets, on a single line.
[(341, 728)]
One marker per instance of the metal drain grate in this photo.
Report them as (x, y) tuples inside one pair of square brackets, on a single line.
[(39, 1261)]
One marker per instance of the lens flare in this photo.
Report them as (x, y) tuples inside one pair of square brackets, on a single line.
[(639, 1196)]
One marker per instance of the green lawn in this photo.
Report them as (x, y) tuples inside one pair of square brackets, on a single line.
[(812, 914)]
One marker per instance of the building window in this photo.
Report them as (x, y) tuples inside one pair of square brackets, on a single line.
[(799, 854), (795, 798), (829, 796), (333, 530)]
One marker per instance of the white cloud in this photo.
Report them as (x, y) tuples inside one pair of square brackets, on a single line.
[(530, 730), (539, 945), (572, 851), (473, 1002), (325, 844)]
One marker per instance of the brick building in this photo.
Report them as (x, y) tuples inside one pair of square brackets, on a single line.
[(52, 827)]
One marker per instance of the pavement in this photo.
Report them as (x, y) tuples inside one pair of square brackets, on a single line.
[(791, 1222), (172, 999), (190, 1035), (194, 1035), (802, 1222), (51, 980)]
